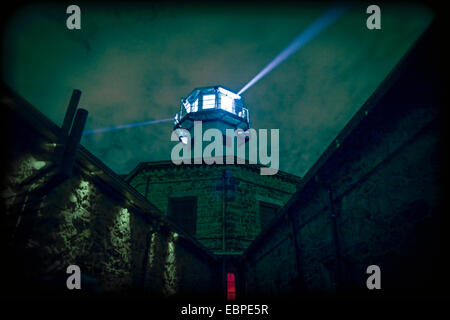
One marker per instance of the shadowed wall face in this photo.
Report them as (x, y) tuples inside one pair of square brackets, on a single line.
[(375, 200), (134, 62)]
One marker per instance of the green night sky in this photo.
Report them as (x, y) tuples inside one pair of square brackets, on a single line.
[(134, 62)]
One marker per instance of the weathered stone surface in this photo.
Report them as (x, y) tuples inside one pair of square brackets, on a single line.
[(375, 199), (121, 244), (233, 200)]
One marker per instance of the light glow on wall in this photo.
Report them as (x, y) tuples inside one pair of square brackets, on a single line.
[(25, 168), (76, 214), (151, 256), (121, 235), (80, 198), (170, 271)]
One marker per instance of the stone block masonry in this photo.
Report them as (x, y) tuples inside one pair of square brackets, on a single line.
[(228, 197), (373, 198)]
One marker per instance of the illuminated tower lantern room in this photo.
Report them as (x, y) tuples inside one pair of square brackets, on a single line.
[(216, 107)]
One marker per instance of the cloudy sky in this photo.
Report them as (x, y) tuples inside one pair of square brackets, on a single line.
[(134, 62)]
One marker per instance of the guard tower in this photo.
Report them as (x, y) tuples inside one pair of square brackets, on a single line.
[(217, 107)]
